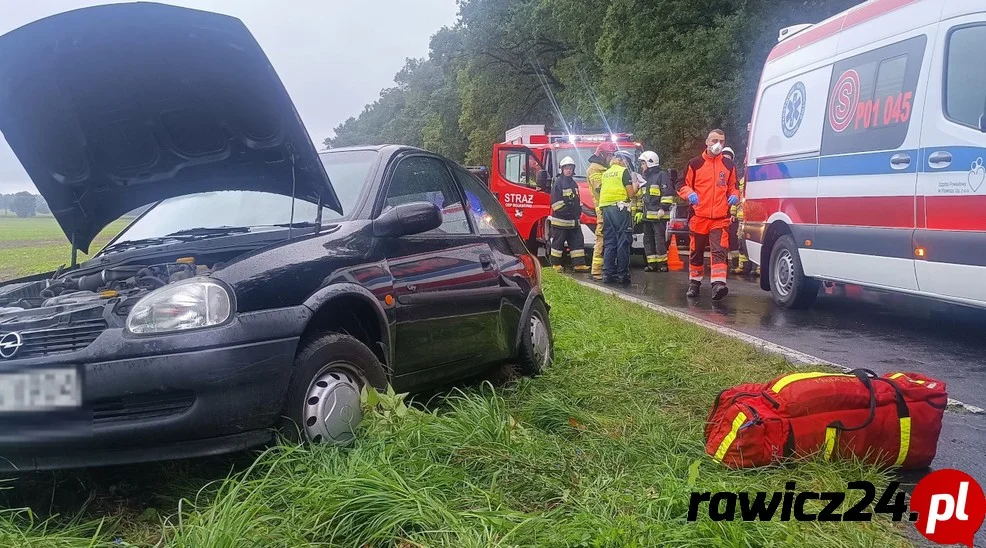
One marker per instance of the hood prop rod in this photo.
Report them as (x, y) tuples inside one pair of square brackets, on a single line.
[(75, 252), (294, 168)]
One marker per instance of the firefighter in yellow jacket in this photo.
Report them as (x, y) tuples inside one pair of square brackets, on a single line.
[(598, 163)]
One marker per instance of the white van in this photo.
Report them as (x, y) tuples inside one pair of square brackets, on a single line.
[(867, 151)]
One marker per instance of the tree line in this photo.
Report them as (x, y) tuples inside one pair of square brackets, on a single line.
[(665, 70), (23, 204)]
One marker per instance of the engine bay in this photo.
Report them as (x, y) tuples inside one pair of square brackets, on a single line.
[(75, 288)]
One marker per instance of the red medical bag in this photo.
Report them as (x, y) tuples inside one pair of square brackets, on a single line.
[(892, 420)]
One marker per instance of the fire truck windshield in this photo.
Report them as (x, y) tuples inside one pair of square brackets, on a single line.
[(581, 156)]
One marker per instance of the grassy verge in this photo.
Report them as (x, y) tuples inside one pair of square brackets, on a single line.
[(37, 244), (602, 450)]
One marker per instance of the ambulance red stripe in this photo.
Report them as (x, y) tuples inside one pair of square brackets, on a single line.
[(855, 17), (958, 213)]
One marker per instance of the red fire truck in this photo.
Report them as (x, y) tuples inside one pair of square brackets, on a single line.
[(523, 167)]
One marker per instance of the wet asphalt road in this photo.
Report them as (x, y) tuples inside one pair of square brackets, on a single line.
[(862, 328)]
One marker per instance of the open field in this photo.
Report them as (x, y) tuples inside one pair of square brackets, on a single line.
[(37, 244), (604, 449)]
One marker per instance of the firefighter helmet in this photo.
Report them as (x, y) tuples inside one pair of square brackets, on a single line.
[(650, 158), (624, 157), (566, 161), (606, 147)]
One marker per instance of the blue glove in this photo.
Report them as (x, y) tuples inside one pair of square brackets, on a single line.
[(733, 200), (693, 198)]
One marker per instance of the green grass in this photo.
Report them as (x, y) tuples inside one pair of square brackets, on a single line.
[(37, 244), (602, 450)]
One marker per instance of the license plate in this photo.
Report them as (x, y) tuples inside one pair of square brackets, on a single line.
[(40, 390)]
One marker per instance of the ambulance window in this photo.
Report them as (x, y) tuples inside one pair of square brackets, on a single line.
[(890, 76), (872, 97), (965, 75)]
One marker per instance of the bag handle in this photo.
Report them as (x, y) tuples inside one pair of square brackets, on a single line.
[(903, 420), (832, 430)]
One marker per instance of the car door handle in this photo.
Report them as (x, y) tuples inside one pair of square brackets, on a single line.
[(900, 161), (940, 159), (486, 261)]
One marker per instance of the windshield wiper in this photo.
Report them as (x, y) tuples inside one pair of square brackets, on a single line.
[(210, 231), (299, 224), (132, 244)]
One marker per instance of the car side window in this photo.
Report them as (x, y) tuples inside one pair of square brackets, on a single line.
[(487, 214), (871, 98), (965, 75), (426, 179)]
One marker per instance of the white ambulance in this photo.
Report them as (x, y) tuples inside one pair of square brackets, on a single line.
[(867, 151)]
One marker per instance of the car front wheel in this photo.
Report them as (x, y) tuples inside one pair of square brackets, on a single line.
[(323, 403), (537, 346), (788, 283)]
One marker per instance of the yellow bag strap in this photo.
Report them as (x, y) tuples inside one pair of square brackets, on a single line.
[(729, 438), (795, 377), (903, 417)]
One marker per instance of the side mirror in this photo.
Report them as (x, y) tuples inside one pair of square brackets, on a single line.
[(407, 219), (542, 180)]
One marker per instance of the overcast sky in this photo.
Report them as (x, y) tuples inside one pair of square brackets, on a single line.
[(334, 56)]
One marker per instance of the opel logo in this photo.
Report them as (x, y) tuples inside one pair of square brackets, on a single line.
[(10, 344)]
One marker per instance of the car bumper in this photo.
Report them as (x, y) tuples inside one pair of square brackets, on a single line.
[(161, 397)]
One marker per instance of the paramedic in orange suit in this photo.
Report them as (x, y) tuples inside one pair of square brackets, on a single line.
[(710, 187)]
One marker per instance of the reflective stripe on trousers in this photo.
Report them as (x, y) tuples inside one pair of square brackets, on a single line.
[(718, 241)]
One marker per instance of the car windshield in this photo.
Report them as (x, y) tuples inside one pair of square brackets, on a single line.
[(215, 211), (581, 156)]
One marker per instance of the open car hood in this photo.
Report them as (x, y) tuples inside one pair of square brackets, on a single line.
[(113, 107)]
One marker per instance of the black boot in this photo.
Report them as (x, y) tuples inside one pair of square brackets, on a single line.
[(693, 288), (719, 290), (650, 268), (663, 267)]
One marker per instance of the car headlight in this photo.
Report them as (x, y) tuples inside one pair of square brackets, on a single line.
[(188, 305)]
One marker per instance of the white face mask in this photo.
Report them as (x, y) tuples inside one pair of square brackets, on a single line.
[(715, 149)]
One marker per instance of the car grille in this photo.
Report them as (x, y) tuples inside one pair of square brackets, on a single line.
[(141, 406), (60, 339)]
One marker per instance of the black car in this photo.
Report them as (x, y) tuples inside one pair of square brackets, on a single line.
[(253, 289)]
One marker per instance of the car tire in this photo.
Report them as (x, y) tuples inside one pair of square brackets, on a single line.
[(788, 284), (537, 344), (323, 400)]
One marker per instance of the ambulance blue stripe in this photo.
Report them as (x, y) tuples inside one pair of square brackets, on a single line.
[(873, 163), (869, 163), (795, 169)]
